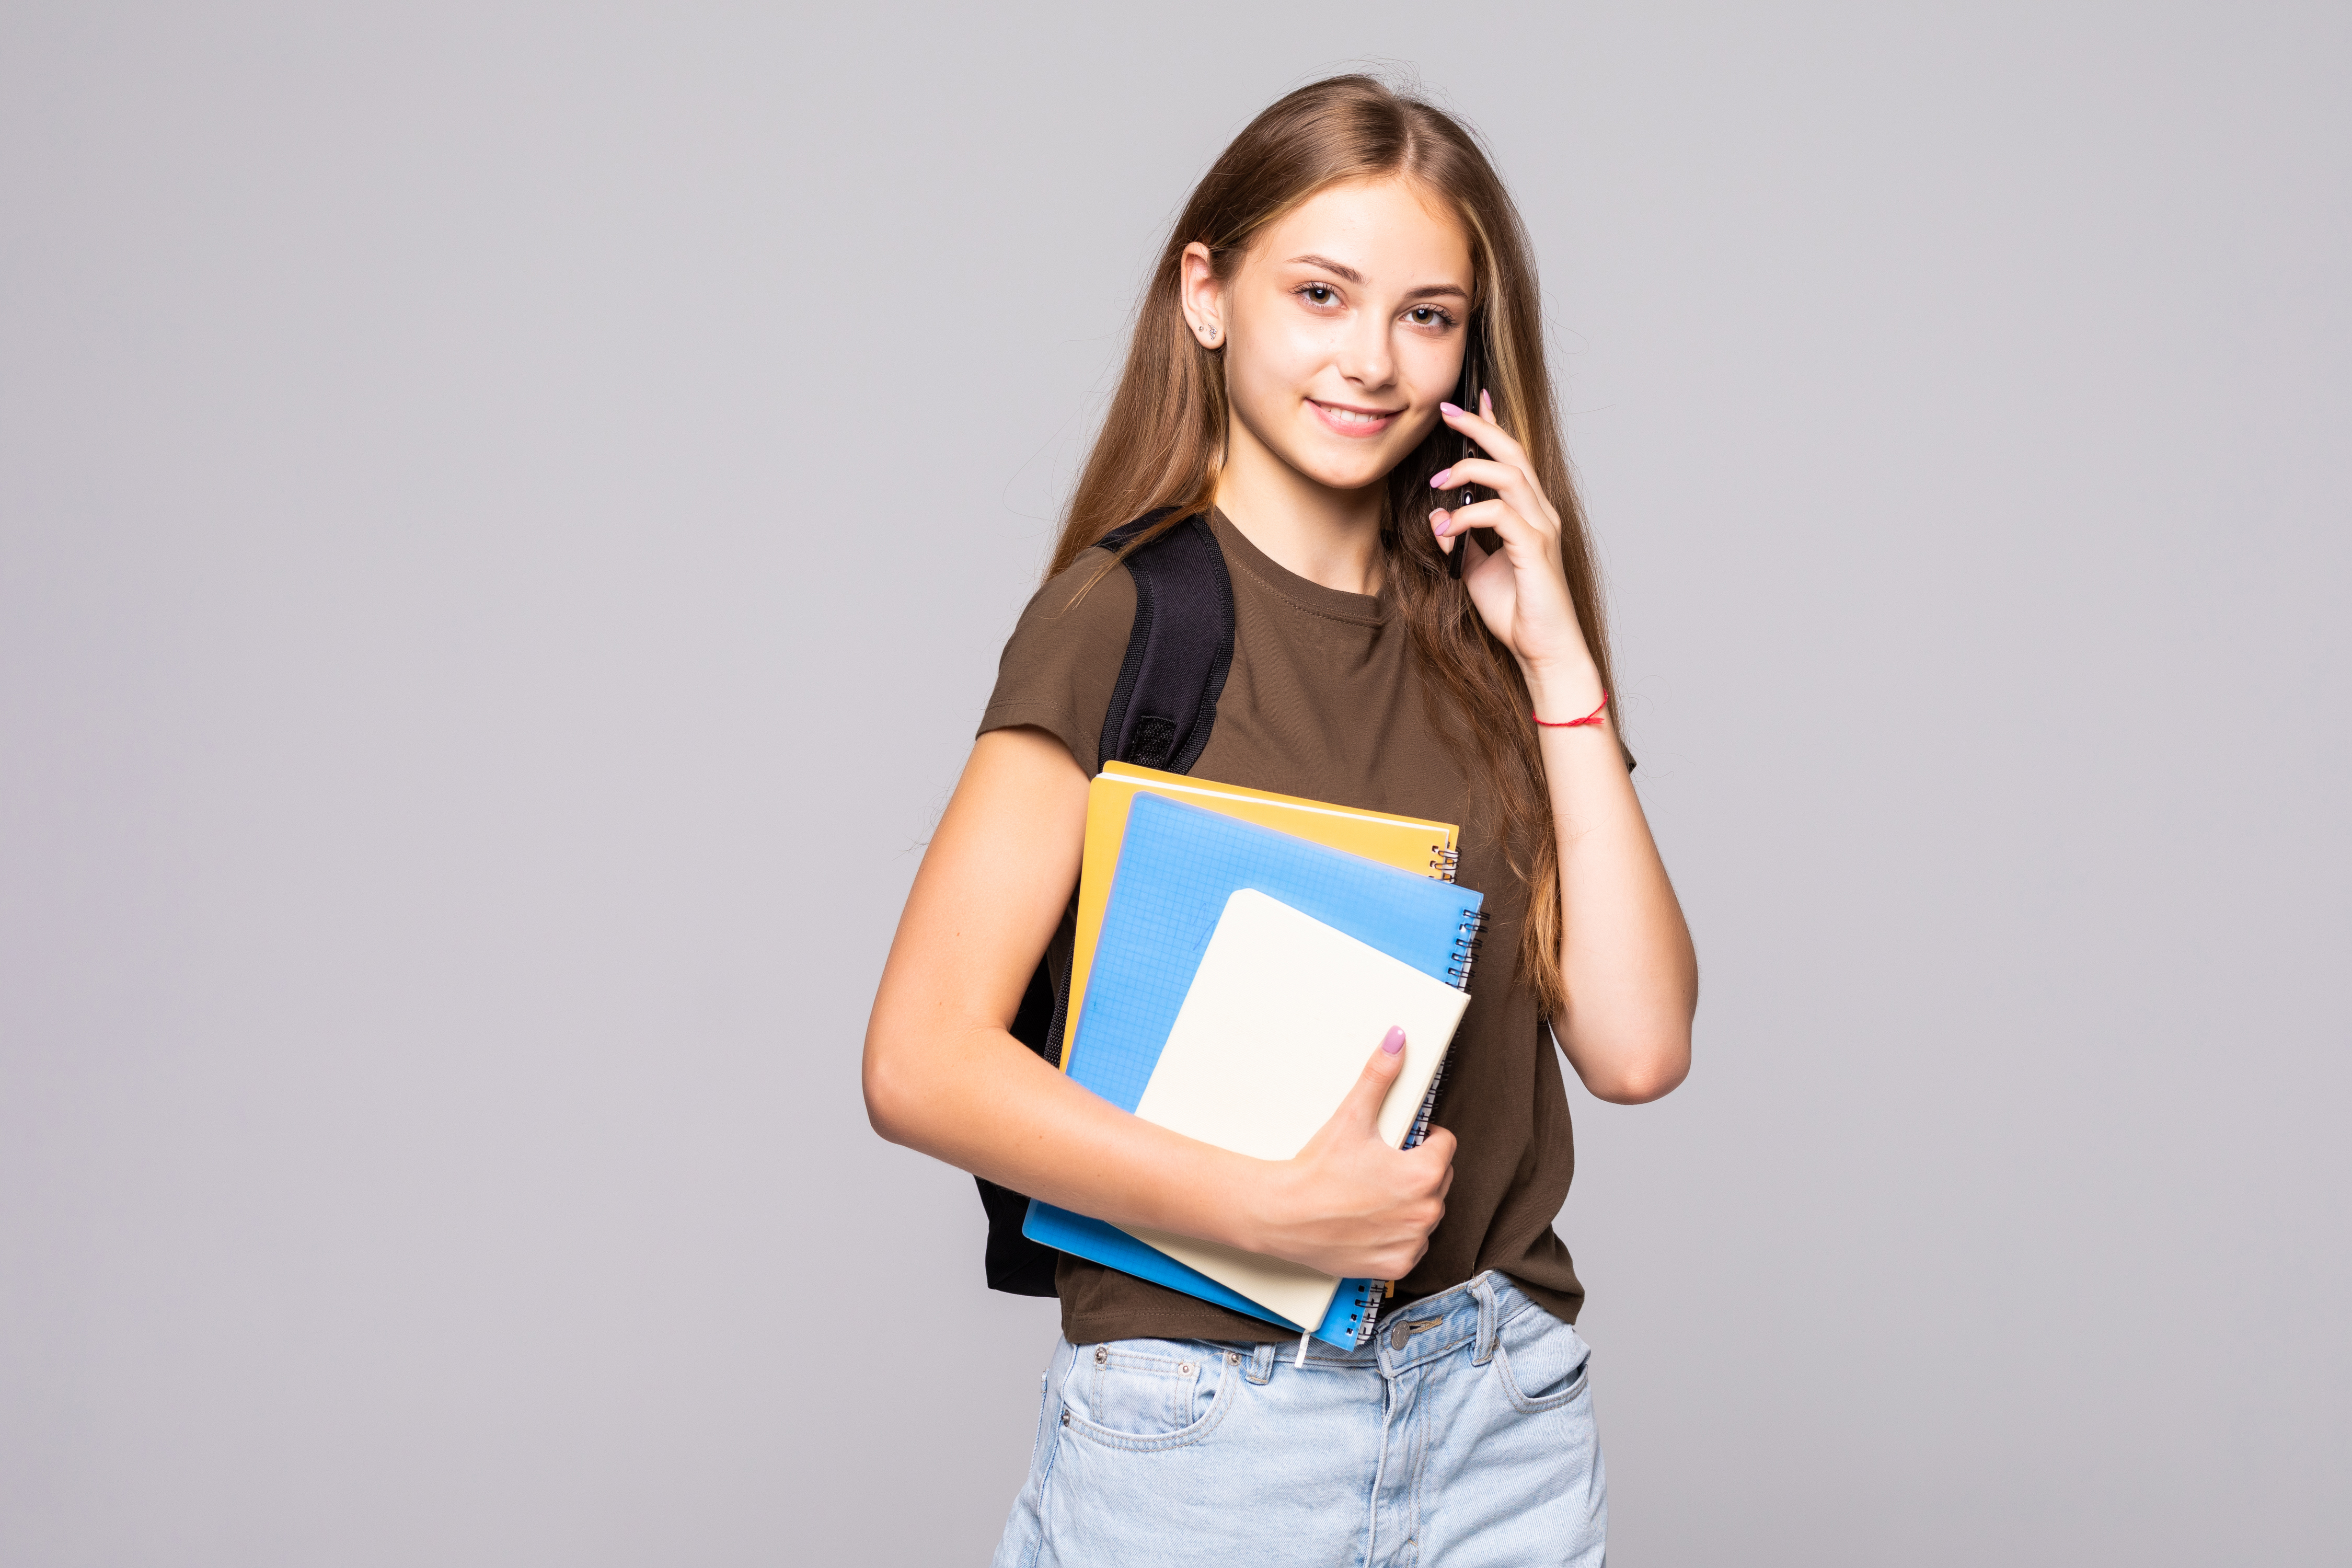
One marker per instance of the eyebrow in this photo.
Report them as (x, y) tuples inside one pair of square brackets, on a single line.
[(1427, 291)]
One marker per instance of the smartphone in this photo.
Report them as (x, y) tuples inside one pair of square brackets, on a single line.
[(1466, 395)]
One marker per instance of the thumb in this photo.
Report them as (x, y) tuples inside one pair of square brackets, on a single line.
[(1362, 1109)]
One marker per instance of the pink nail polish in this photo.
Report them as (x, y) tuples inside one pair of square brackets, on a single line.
[(1394, 1041), (1442, 480), (1440, 521), (1447, 408)]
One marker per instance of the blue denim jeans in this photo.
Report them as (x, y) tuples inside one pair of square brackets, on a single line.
[(1462, 1436)]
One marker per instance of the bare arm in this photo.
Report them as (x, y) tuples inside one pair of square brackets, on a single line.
[(1625, 952), (944, 1075)]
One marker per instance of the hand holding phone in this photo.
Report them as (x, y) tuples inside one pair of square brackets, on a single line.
[(1466, 395)]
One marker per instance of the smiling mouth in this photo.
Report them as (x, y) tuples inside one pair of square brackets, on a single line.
[(1355, 421)]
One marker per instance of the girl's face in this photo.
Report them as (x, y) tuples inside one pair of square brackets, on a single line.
[(1343, 328)]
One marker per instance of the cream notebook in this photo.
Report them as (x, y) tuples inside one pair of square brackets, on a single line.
[(1280, 1018)]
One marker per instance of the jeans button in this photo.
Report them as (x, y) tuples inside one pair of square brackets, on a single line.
[(1397, 1337), (1102, 1354)]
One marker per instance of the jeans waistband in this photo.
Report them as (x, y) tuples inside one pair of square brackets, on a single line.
[(1471, 1314)]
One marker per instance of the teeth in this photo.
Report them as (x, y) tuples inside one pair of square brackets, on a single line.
[(1349, 415)]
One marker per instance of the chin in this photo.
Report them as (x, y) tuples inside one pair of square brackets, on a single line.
[(1352, 471)]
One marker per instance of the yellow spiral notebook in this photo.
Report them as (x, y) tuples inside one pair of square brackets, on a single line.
[(1409, 842)]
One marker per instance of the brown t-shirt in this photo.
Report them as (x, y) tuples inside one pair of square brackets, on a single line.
[(1324, 700)]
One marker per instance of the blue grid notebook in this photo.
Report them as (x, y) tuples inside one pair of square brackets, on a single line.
[(1177, 867)]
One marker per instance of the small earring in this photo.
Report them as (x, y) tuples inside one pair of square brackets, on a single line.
[(1210, 336)]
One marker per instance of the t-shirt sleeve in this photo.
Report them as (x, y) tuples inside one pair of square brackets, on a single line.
[(1063, 659)]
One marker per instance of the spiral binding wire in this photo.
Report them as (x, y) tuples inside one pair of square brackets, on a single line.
[(1444, 863), (1366, 1315), (1468, 937), (1365, 1308)]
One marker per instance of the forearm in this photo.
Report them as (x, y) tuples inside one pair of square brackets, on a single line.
[(1626, 957), (976, 1098)]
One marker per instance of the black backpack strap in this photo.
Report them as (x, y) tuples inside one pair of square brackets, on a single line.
[(1177, 655), (1180, 650)]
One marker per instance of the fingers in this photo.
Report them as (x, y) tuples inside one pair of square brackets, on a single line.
[(1362, 1109), (1509, 470), (1481, 427), (1498, 514), (1506, 479), (1437, 1148), (1432, 1176), (1501, 517)]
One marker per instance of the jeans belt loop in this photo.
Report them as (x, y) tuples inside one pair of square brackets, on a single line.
[(1260, 1369), (1490, 1316)]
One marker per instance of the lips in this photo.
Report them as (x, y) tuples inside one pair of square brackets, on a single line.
[(1353, 422)]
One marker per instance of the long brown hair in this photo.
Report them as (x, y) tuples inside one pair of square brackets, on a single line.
[(1163, 440)]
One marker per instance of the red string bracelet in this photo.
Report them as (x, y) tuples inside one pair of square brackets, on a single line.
[(1593, 718)]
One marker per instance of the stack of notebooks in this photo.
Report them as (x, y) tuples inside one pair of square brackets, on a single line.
[(1240, 956)]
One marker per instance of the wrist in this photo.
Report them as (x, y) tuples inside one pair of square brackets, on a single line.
[(1568, 690), (1267, 1192)]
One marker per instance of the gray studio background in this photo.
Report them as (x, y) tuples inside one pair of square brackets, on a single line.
[(507, 517)]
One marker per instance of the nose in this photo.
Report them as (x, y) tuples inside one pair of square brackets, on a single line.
[(1366, 357)]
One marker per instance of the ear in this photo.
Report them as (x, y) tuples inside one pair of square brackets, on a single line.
[(1203, 298)]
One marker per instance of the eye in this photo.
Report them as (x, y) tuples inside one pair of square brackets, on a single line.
[(1428, 316), (1319, 294)]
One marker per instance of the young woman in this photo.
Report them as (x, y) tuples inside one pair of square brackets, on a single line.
[(1289, 377)]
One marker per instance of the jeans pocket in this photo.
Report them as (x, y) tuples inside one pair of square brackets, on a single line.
[(1544, 1364), (1148, 1394)]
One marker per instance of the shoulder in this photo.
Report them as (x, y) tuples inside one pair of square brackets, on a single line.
[(1062, 661), (1086, 603)]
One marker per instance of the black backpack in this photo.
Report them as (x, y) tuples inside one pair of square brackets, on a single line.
[(1160, 716)]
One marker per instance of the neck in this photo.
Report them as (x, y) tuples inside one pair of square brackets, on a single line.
[(1331, 538)]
